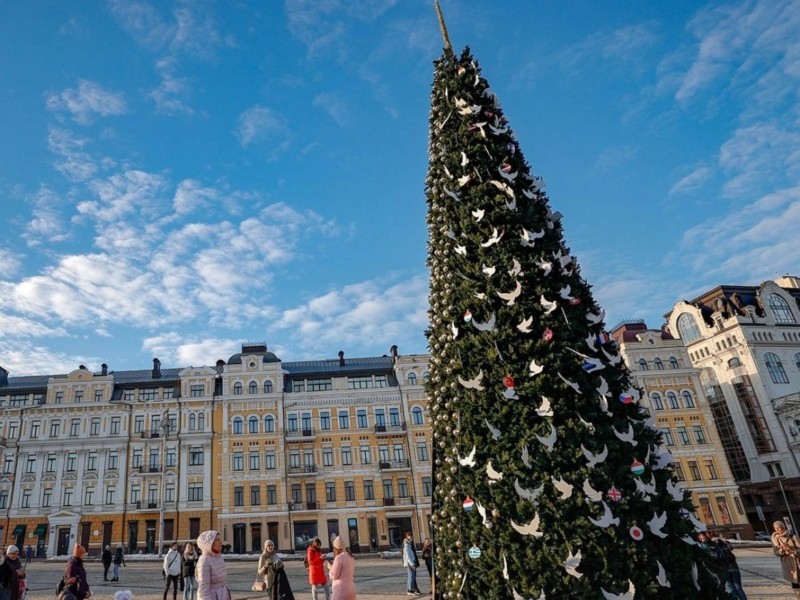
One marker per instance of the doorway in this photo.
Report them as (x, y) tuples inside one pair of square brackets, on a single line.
[(239, 538), (352, 534), (63, 541)]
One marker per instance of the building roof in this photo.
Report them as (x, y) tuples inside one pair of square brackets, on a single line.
[(332, 366), (628, 331), (27, 383)]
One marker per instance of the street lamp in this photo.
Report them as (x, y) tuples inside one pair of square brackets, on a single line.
[(786, 503), (164, 427)]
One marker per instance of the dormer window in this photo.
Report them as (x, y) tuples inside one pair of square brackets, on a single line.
[(780, 309)]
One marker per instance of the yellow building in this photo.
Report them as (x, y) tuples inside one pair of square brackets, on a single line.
[(253, 447), (672, 391)]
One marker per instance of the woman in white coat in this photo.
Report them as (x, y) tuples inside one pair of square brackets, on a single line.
[(210, 570)]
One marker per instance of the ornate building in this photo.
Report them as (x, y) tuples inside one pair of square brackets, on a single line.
[(673, 393), (745, 340), (255, 448)]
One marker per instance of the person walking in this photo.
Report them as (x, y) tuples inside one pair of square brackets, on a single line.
[(410, 562), (427, 556), (189, 565), (12, 575), (172, 570), (210, 570), (316, 570), (270, 567), (722, 553), (75, 574), (119, 559), (28, 555), (787, 547), (106, 558), (342, 572)]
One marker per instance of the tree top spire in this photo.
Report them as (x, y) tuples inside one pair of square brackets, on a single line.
[(442, 26)]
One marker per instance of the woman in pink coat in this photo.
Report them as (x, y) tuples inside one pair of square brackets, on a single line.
[(210, 569), (342, 572)]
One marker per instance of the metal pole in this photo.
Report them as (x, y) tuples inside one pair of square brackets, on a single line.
[(163, 460), (789, 510)]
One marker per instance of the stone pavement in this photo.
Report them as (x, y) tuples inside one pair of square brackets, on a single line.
[(376, 579)]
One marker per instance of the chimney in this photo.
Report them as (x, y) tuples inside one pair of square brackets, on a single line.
[(156, 368), (82, 367), (220, 366), (393, 351), (341, 358), (3, 376), (104, 369)]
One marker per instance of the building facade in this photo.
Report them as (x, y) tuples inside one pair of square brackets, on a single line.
[(254, 447), (673, 393), (745, 341)]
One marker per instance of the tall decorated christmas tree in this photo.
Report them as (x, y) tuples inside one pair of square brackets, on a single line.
[(549, 479)]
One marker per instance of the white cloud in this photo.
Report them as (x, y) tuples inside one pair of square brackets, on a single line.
[(123, 195), (260, 124), (87, 102), (336, 108), (22, 358), (624, 46), (168, 96), (174, 348), (691, 182), (46, 224), (9, 262), (143, 22), (191, 196), (612, 158), (72, 161), (14, 327)]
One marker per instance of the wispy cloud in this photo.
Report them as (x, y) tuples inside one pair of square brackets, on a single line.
[(334, 106), (170, 93), (612, 158), (692, 182), (258, 124), (47, 225), (87, 102), (174, 348), (624, 46), (144, 23), (20, 357), (9, 263), (72, 160)]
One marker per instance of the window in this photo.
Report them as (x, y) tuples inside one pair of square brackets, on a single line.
[(255, 460), (137, 458), (412, 378), (195, 456), (252, 425), (775, 368), (712, 470), (128, 396), (269, 459), (673, 400), (311, 493), (347, 456), (294, 459), (201, 421), (8, 464), (12, 431), (88, 496), (308, 460), (349, 491), (255, 495), (775, 470), (399, 452), (91, 461), (655, 399), (324, 420), (344, 420), (734, 362), (380, 417), (272, 494), (683, 434), (171, 457), (305, 421), (59, 397), (299, 386), (394, 417), (267, 387), (687, 328), (4, 499), (402, 488), (688, 399), (237, 389), (72, 459), (658, 364), (252, 388), (192, 422), (238, 461), (47, 497), (381, 381), (238, 495), (55, 429), (416, 415), (668, 439), (30, 465), (269, 424), (50, 465), (369, 489), (797, 360), (94, 426), (383, 453), (359, 383), (291, 423), (673, 363), (330, 491), (699, 436), (388, 488), (426, 486), (169, 493), (149, 394), (35, 426), (422, 451), (780, 309), (115, 425), (238, 425), (297, 493), (319, 385), (26, 498), (195, 492), (113, 459), (694, 470), (168, 393), (78, 396), (365, 455), (74, 428), (67, 497), (195, 391), (361, 417), (643, 365), (327, 457), (138, 424)]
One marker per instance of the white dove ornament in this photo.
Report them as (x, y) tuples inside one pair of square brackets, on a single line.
[(531, 528), (607, 520), (657, 523), (572, 563), (629, 595), (469, 460)]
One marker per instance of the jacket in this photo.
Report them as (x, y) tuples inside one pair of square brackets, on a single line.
[(342, 572), (9, 578), (316, 570), (409, 554), (189, 564), (172, 563), (119, 556), (106, 557), (210, 574), (76, 569), (787, 546)]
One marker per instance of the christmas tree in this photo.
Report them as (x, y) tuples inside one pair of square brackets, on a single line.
[(549, 478)]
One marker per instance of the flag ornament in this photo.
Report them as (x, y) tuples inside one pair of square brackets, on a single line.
[(468, 504)]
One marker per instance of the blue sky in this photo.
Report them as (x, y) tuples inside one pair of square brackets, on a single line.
[(179, 177)]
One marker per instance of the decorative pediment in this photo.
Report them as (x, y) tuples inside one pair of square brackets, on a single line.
[(62, 515), (70, 476), (787, 406), (90, 476), (28, 478), (48, 478)]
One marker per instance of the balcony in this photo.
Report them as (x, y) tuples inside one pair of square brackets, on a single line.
[(152, 505), (390, 429), (395, 465), (302, 470), (305, 433), (403, 501), (154, 469), (3, 441), (150, 435)]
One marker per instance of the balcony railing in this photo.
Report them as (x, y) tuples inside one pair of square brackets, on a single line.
[(152, 505), (395, 464), (401, 501), (303, 470), (302, 433), (388, 501), (390, 429)]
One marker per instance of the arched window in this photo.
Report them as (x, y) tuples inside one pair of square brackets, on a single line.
[(659, 365), (673, 400), (797, 360), (655, 398), (201, 421), (775, 368), (734, 362), (687, 328), (643, 365), (192, 422), (688, 399), (673, 363), (780, 309), (416, 415), (267, 387), (252, 388), (425, 376), (237, 425), (269, 424), (252, 425), (412, 379), (237, 389)]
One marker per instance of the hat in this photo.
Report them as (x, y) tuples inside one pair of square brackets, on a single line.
[(338, 543), (780, 524), (206, 539), (78, 551), (123, 595), (12, 548), (269, 543)]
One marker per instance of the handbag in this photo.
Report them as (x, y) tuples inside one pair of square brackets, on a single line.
[(258, 585)]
